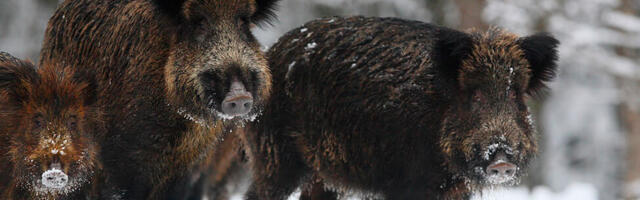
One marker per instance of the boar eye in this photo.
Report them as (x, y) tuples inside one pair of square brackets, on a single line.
[(72, 124), (38, 123)]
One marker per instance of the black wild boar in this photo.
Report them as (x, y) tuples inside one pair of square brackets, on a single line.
[(397, 109)]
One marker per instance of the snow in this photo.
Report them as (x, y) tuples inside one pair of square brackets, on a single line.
[(575, 191), (289, 68), (183, 112), (310, 46), (493, 147), (54, 178), (497, 179)]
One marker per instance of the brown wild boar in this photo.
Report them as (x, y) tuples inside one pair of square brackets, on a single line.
[(173, 77), (48, 131)]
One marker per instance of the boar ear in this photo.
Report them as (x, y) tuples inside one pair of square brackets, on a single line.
[(182, 9), (450, 49), (541, 52), (15, 74), (90, 90), (171, 7), (265, 12)]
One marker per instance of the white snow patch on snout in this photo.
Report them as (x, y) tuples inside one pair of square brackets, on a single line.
[(491, 149), (497, 179), (55, 179)]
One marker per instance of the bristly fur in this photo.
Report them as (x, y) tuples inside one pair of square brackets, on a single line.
[(14, 72), (265, 11), (163, 69), (451, 48), (397, 108), (265, 14), (542, 54), (6, 57), (55, 94)]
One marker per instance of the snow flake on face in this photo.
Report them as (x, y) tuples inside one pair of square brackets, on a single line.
[(183, 113), (311, 46), (497, 179), (492, 149), (54, 178), (56, 143), (302, 30), (289, 68), (509, 79), (248, 117), (530, 120)]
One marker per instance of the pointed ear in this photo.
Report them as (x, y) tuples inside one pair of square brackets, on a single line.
[(265, 12), (90, 91), (450, 49), (15, 75), (541, 52), (171, 7)]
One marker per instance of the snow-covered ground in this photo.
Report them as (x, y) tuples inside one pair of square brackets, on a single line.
[(575, 191)]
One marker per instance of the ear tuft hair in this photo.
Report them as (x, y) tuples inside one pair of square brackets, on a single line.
[(265, 12), (13, 74), (541, 52), (451, 48)]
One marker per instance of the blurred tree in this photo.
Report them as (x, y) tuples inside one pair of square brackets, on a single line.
[(471, 14), (584, 136)]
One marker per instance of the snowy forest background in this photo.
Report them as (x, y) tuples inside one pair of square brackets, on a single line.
[(589, 122)]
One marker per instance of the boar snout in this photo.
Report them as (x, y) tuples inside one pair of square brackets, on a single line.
[(237, 101), (500, 170), (54, 177)]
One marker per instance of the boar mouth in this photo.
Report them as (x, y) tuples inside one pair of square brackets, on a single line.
[(251, 116), (56, 181)]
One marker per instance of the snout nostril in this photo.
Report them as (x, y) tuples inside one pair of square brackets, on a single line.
[(501, 168), (508, 171), (233, 105), (247, 105)]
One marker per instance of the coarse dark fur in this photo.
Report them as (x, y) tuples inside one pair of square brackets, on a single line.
[(225, 171), (395, 109), (48, 116), (162, 69)]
